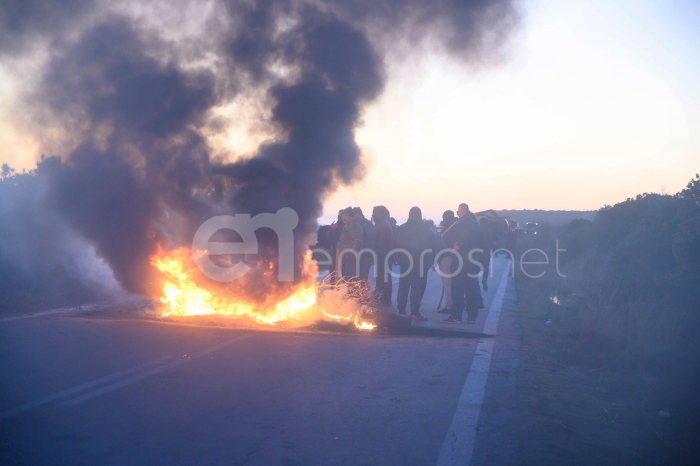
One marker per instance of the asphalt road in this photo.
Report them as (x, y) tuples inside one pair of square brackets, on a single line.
[(85, 389)]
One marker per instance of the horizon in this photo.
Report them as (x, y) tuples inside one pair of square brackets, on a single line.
[(328, 218), (613, 86)]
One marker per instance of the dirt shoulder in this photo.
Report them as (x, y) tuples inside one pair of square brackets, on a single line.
[(581, 400)]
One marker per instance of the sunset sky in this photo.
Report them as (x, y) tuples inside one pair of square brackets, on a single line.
[(599, 101), (592, 102)]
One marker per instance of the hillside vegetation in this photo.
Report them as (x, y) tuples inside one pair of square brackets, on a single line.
[(610, 365)]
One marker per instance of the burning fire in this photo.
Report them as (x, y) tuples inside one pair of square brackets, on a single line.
[(185, 293), (362, 325)]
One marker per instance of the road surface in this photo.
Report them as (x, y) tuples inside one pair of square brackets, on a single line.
[(90, 389)]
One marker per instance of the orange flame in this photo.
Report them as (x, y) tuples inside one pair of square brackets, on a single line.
[(184, 292), (362, 325), (336, 317), (185, 295)]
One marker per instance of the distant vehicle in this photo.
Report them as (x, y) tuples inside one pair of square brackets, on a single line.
[(531, 226), (499, 227)]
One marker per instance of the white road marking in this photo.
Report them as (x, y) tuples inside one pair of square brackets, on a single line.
[(79, 388), (65, 310), (149, 373), (458, 447), (115, 376)]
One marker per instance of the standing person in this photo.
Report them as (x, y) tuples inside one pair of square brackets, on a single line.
[(465, 236), (414, 238), (464, 212), (366, 259), (333, 238), (383, 243), (350, 240), (445, 265), (448, 218), (392, 259), (489, 235), (394, 227)]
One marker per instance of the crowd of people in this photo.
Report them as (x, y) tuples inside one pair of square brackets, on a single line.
[(459, 251)]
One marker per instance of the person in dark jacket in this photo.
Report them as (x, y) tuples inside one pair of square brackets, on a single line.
[(349, 245), (383, 244), (467, 237), (332, 240), (445, 265), (464, 212), (414, 237), (490, 244), (394, 226), (395, 229), (366, 259)]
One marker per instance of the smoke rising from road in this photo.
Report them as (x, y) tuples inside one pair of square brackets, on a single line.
[(132, 86)]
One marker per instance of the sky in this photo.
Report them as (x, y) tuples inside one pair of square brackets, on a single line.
[(593, 102), (597, 102)]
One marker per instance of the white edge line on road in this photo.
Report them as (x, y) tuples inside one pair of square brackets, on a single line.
[(64, 311), (149, 373), (458, 447)]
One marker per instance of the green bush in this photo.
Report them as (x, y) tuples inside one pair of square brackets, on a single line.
[(634, 271)]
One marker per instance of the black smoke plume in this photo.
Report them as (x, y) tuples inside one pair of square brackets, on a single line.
[(134, 101)]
